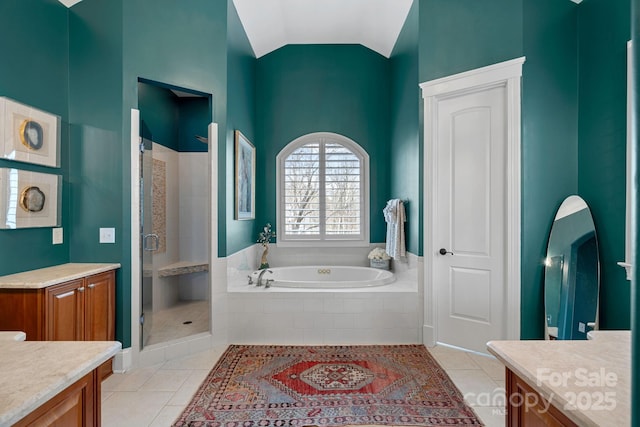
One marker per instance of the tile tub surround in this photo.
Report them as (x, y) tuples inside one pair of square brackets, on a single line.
[(49, 276), (33, 372), (390, 314), (557, 370)]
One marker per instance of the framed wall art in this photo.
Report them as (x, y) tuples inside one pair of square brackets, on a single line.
[(29, 199), (28, 134), (245, 177)]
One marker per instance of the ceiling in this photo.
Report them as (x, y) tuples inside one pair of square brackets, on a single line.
[(271, 24)]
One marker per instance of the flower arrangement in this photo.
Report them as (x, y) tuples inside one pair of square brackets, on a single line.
[(379, 253), (264, 237)]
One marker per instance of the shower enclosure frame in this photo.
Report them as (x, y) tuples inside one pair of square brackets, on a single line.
[(134, 356)]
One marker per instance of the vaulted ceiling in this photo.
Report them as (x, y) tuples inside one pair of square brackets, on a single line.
[(271, 24)]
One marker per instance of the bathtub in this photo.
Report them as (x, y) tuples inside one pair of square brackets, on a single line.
[(328, 277)]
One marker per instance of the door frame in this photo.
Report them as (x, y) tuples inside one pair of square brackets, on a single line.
[(504, 74)]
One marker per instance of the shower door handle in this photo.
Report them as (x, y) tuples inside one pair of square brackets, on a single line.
[(146, 238)]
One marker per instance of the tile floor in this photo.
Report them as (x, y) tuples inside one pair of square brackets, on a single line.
[(156, 396)]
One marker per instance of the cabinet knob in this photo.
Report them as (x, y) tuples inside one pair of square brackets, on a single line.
[(81, 289), (92, 285)]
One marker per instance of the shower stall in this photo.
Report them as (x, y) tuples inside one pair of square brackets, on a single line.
[(174, 213)]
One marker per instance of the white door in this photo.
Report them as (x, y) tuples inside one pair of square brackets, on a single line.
[(469, 226)]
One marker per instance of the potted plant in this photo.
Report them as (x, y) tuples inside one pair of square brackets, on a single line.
[(264, 238), (379, 258)]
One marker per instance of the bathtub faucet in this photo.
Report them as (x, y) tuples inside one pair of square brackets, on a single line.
[(259, 281)]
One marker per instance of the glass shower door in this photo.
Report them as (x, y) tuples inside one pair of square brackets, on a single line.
[(148, 240)]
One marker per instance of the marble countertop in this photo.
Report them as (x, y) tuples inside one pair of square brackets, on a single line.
[(12, 336), (44, 277), (32, 372), (589, 381)]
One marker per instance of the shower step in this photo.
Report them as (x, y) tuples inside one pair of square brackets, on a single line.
[(182, 267)]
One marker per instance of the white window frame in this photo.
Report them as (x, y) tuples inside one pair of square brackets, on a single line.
[(322, 240)]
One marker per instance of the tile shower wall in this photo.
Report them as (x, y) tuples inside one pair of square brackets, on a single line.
[(184, 206), (165, 290), (194, 223), (358, 317)]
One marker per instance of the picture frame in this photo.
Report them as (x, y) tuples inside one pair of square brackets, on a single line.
[(245, 177), (29, 199), (28, 134)]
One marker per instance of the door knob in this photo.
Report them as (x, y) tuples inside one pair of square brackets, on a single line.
[(443, 251)]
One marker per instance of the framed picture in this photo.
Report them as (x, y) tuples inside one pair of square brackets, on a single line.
[(245, 177), (28, 134), (29, 199)]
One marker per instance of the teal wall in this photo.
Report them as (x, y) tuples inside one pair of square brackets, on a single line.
[(323, 88), (241, 110), (406, 147), (549, 140), (603, 33), (99, 191), (460, 35), (159, 112), (174, 121), (194, 118), (34, 71)]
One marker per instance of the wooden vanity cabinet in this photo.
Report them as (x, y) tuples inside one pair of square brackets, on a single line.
[(525, 410), (79, 405), (64, 312), (77, 310), (73, 407)]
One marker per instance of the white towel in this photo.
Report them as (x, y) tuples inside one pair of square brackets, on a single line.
[(395, 217)]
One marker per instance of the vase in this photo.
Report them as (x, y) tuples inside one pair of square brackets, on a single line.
[(263, 261), (382, 264)]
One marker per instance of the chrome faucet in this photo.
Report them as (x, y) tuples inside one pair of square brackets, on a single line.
[(259, 281)]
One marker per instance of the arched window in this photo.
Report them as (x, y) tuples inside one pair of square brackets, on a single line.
[(323, 191)]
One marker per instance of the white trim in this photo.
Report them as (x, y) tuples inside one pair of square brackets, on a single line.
[(628, 247), (335, 241), (507, 74), (123, 361), (135, 235), (489, 75)]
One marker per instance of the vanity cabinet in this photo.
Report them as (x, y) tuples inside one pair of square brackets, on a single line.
[(81, 309), (76, 406), (527, 408)]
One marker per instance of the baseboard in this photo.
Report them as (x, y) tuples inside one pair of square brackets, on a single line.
[(123, 361), (428, 336)]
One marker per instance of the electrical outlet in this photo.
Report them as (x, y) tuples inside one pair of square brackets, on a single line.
[(581, 327), (57, 236), (107, 235)]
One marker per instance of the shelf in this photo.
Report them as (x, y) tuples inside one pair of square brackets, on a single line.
[(182, 267)]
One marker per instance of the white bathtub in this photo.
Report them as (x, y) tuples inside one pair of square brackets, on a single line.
[(328, 277)]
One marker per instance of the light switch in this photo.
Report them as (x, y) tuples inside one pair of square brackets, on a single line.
[(107, 235), (581, 327), (57, 236)]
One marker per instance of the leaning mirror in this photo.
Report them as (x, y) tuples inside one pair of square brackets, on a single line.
[(572, 273)]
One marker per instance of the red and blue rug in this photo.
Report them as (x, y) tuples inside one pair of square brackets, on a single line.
[(262, 386)]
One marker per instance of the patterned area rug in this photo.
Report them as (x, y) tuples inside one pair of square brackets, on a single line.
[(254, 386)]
